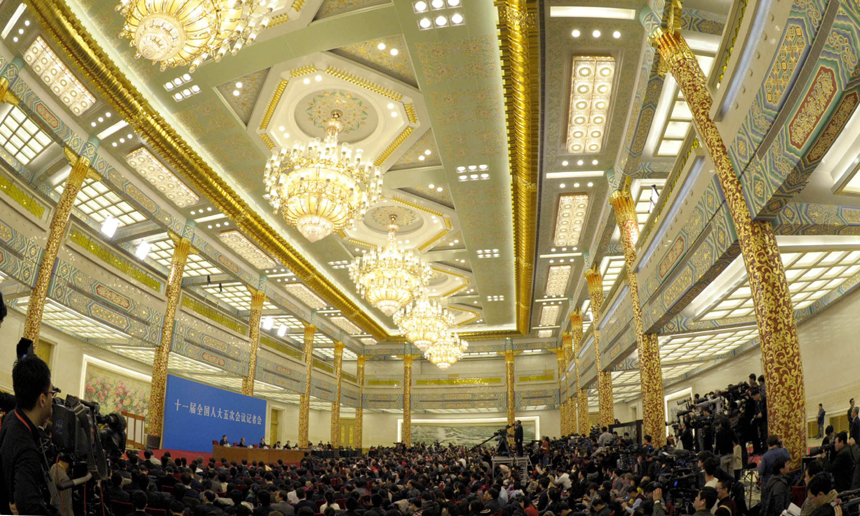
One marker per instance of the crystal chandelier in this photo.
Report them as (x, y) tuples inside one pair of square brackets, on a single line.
[(187, 32), (320, 188), (424, 322), (388, 277), (447, 351)]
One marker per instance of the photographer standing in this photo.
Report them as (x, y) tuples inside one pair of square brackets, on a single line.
[(24, 488)]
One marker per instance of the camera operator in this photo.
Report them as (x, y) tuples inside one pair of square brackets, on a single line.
[(686, 436), (24, 488), (760, 419)]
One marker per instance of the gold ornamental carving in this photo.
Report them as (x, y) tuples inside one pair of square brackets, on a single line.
[(155, 417), (335, 405), (305, 400), (59, 222), (604, 378), (510, 397), (650, 372), (359, 411), (407, 400), (258, 298), (581, 402), (783, 369)]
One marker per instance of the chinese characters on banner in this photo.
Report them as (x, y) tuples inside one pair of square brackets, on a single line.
[(199, 409)]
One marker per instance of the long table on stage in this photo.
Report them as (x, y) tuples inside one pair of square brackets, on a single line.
[(237, 454)]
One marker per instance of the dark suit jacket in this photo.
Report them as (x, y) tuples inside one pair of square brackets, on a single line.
[(855, 429), (518, 434)]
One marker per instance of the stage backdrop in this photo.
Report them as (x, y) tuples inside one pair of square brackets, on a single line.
[(463, 433), (195, 414)]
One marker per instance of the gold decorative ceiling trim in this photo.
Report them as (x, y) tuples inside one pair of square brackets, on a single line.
[(285, 17), (410, 113), (298, 72), (267, 141), (433, 240), (393, 146), (79, 47), (364, 83), (425, 209), (273, 104), (520, 48), (454, 291), (361, 243)]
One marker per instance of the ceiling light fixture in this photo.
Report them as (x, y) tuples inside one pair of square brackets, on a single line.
[(570, 219), (575, 33), (424, 322), (142, 250), (388, 277), (109, 226), (590, 93), (596, 33), (556, 280), (447, 351), (616, 34), (151, 169), (187, 32), (320, 188)]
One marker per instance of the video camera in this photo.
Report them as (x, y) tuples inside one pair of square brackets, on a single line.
[(678, 478)]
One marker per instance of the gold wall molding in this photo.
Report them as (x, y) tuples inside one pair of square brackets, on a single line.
[(393, 146), (273, 104), (82, 51), (364, 83)]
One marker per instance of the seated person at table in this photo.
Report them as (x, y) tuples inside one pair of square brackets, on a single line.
[(224, 441), (242, 443), (277, 445), (263, 444)]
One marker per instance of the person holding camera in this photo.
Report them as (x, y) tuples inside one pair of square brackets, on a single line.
[(24, 489), (842, 465)]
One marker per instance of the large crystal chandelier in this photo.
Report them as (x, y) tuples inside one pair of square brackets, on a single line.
[(424, 322), (320, 188), (444, 353), (388, 277), (187, 32)]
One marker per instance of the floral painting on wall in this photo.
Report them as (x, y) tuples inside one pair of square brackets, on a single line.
[(115, 392)]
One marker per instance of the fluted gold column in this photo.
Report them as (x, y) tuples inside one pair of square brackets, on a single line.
[(335, 405), (258, 298), (59, 221), (155, 417), (604, 379), (777, 326), (562, 392), (407, 400), (305, 404), (650, 372), (510, 397), (581, 395), (359, 411)]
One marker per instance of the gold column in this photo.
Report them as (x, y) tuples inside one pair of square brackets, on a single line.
[(59, 221), (258, 298), (559, 355), (155, 417), (359, 412), (581, 395), (335, 405), (305, 404), (650, 372), (407, 400), (604, 379), (777, 327), (510, 397)]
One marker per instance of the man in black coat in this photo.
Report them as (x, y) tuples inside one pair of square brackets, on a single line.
[(855, 426), (842, 466), (518, 437)]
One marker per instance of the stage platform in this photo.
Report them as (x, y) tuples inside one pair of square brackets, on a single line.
[(256, 454)]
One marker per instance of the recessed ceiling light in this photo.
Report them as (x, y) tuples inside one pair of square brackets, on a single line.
[(281, 128), (394, 114), (596, 33), (561, 185), (453, 3), (439, 189), (441, 21), (616, 34), (420, 6), (27, 23), (589, 184), (437, 4), (236, 93), (576, 185), (394, 51), (307, 81), (318, 78), (108, 114), (575, 33), (432, 186), (286, 135), (456, 18), (425, 23), (579, 162), (427, 152), (381, 46), (594, 162), (564, 163)]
